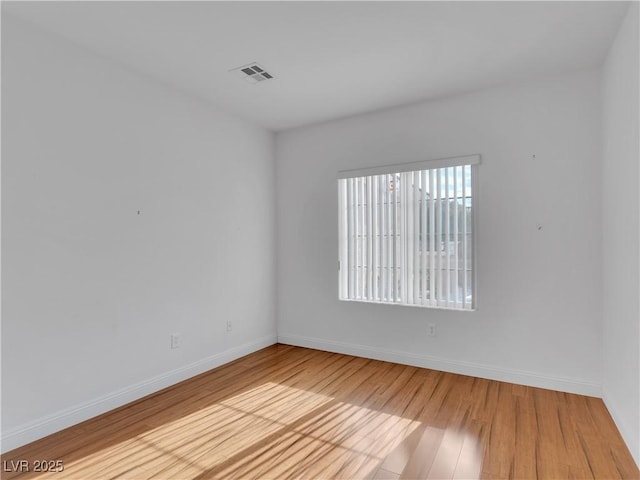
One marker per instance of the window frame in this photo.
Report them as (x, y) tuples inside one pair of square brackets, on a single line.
[(404, 233)]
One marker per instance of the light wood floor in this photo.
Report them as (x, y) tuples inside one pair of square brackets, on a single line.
[(288, 412)]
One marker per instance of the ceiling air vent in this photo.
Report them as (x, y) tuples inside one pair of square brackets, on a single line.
[(253, 73)]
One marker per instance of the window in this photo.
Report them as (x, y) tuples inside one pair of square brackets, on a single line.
[(407, 234)]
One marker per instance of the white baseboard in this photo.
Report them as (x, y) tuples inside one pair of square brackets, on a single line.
[(436, 363), (632, 441), (49, 424)]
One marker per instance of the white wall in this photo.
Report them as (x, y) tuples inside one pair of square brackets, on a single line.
[(539, 291), (621, 215), (92, 290)]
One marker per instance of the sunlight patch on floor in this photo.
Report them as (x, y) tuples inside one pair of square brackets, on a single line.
[(272, 430)]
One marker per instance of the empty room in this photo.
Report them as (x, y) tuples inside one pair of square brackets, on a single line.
[(320, 240)]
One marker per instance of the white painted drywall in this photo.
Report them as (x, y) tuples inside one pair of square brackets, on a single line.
[(539, 290), (91, 290), (620, 232)]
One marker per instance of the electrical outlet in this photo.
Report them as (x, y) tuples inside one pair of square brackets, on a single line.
[(229, 326), (175, 341), (431, 330)]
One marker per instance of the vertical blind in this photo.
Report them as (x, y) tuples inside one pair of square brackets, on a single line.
[(407, 234)]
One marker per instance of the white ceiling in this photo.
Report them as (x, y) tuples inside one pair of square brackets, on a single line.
[(334, 59)]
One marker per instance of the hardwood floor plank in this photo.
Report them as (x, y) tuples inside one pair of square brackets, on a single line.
[(382, 474), (397, 460), (469, 466), (525, 461), (550, 446), (289, 412), (446, 459), (424, 454)]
